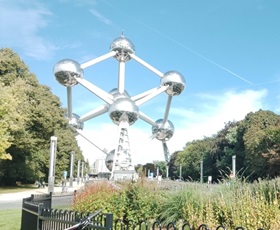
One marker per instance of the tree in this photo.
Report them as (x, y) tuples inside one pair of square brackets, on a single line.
[(10, 120), (272, 153), (36, 115), (256, 127), (161, 166), (173, 168), (190, 158), (225, 145)]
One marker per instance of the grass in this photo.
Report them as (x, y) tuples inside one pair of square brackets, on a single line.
[(10, 219)]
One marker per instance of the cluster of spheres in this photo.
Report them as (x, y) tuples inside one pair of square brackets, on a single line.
[(120, 106)]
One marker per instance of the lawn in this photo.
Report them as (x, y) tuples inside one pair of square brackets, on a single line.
[(10, 219)]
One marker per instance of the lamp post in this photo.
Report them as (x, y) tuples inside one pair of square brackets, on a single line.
[(52, 164), (71, 168), (78, 172), (157, 172), (167, 171), (83, 165), (234, 166), (201, 171), (180, 175)]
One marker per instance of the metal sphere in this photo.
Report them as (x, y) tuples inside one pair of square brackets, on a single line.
[(123, 108), (163, 132), (65, 72), (175, 81), (75, 122), (110, 160), (116, 94), (123, 47)]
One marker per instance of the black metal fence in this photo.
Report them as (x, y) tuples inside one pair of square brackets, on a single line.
[(156, 225), (37, 214)]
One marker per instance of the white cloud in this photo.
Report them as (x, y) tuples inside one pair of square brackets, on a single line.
[(21, 26), (210, 117), (101, 17)]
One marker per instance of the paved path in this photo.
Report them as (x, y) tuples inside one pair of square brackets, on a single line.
[(20, 195)]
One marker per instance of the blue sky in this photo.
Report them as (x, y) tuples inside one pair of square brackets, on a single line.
[(227, 51)]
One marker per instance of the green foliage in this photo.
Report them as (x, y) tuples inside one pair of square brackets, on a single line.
[(254, 141), (232, 203), (30, 114), (161, 165), (97, 195), (191, 157), (130, 201), (256, 128)]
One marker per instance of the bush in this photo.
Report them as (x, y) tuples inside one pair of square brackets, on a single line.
[(129, 201), (230, 204)]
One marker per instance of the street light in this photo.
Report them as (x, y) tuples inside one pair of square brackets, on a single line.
[(201, 171), (71, 168), (52, 164)]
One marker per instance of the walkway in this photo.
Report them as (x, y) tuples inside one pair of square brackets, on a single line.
[(57, 191)]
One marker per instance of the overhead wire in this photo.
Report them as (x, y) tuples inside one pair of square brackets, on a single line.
[(182, 45)]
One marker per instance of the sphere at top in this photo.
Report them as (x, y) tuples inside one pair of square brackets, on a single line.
[(123, 109), (175, 81), (123, 47), (163, 132), (65, 72)]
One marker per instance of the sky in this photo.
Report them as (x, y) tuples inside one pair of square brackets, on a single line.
[(227, 50)]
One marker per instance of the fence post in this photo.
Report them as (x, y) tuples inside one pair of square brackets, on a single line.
[(39, 221), (109, 221)]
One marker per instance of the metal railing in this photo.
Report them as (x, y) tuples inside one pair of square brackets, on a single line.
[(37, 214)]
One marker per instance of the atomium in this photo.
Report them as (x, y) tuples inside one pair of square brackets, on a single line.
[(163, 131), (66, 71), (75, 122), (123, 109), (109, 160), (123, 47), (175, 82)]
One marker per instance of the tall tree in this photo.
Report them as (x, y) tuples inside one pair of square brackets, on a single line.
[(39, 116), (272, 151), (192, 155), (256, 126)]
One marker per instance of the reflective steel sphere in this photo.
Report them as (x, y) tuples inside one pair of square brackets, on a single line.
[(123, 108), (176, 83), (163, 132), (116, 94), (110, 160), (123, 47), (75, 123), (65, 72)]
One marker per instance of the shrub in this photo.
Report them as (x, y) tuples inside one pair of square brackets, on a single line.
[(230, 204), (129, 201), (94, 196)]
